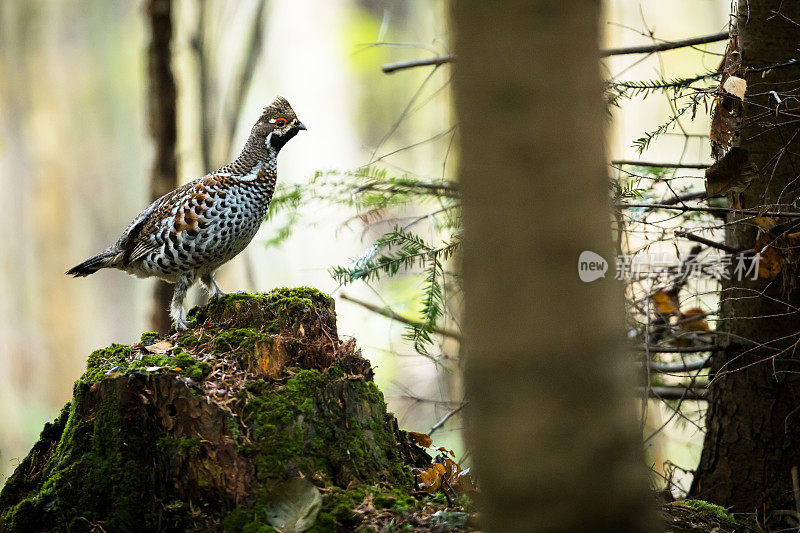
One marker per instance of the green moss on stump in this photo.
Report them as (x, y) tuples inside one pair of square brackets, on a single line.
[(151, 450), (275, 312), (117, 358), (299, 428)]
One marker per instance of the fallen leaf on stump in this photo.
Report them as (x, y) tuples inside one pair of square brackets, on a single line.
[(159, 348), (445, 450), (293, 506), (422, 439), (430, 480)]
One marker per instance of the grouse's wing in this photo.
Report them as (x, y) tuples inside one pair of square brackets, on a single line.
[(135, 241)]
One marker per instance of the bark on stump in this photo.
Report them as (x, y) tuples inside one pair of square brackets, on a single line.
[(199, 431)]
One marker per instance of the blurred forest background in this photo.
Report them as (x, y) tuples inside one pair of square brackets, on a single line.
[(75, 159)]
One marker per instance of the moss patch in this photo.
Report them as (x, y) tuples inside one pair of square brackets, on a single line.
[(273, 312), (712, 510), (298, 428), (118, 358), (234, 340), (98, 472)]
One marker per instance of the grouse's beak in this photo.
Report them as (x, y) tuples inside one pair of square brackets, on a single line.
[(300, 126)]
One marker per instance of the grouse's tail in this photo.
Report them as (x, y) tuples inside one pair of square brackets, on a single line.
[(90, 266)]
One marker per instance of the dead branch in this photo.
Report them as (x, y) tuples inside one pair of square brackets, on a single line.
[(667, 45), (630, 162), (402, 65), (389, 313), (753, 212), (713, 244), (676, 393), (447, 417), (669, 368), (644, 49)]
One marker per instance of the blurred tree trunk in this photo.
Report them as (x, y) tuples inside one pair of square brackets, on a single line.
[(162, 123), (753, 423), (552, 423)]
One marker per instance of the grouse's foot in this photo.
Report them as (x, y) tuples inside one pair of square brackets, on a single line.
[(218, 293), (181, 325)]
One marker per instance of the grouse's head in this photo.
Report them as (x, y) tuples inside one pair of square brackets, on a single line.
[(277, 124)]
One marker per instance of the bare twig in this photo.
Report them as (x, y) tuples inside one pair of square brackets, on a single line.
[(754, 212), (389, 313), (402, 65), (677, 393), (645, 49), (631, 162), (679, 198), (669, 368), (447, 417), (713, 244), (687, 349), (669, 45)]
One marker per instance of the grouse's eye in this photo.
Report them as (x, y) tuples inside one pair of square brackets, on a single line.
[(280, 122)]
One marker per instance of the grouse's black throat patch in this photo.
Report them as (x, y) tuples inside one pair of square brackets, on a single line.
[(278, 140)]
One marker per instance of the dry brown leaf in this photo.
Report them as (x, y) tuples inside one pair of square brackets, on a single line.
[(451, 469), (731, 174), (445, 450), (694, 319), (771, 261), (735, 86), (422, 439), (430, 480), (462, 483), (160, 347), (271, 356), (794, 239), (666, 302), (765, 223)]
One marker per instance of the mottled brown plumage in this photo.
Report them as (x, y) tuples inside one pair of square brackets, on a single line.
[(190, 232)]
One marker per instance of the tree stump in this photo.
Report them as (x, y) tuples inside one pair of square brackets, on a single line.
[(203, 431)]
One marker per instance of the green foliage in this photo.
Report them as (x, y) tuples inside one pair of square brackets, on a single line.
[(629, 189), (617, 90), (643, 142), (400, 250)]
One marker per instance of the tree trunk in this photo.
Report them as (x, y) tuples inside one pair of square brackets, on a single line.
[(753, 423), (551, 420), (162, 123), (202, 431)]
